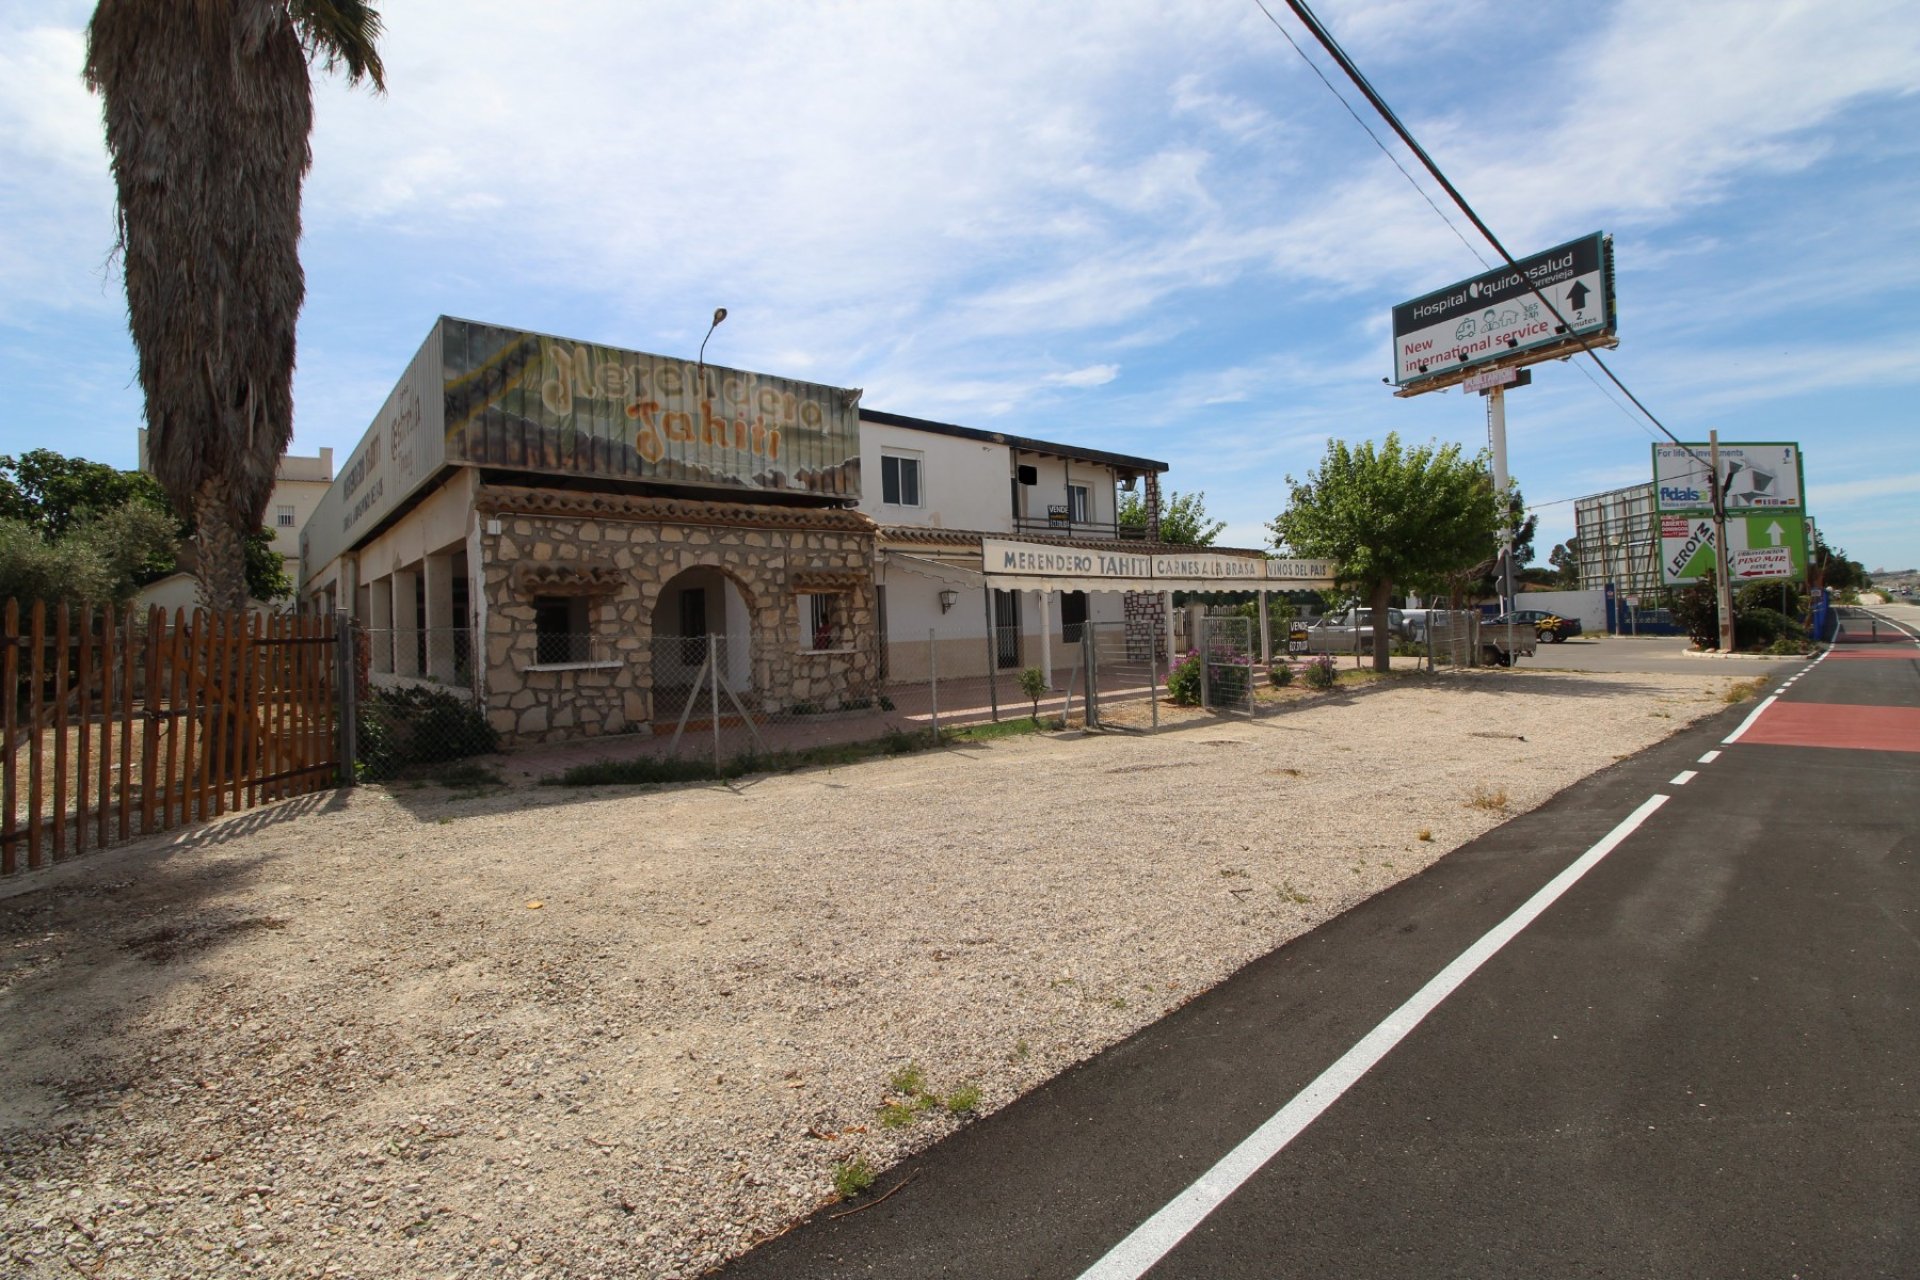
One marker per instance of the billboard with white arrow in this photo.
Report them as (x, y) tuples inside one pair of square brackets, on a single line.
[(1760, 547), (1538, 309)]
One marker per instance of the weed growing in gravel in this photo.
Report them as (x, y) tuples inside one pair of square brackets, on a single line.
[(654, 770), (1741, 690), (1485, 797), (964, 1100), (1292, 894), (851, 1178), (1022, 1051), (910, 1080)]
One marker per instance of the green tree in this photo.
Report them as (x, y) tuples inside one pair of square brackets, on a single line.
[(100, 559), (53, 495), (1390, 515), (1565, 559), (208, 109), (1831, 568), (1183, 519)]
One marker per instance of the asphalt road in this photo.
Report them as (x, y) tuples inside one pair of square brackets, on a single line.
[(1699, 1057), (1645, 655)]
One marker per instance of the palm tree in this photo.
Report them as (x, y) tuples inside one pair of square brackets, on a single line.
[(208, 107)]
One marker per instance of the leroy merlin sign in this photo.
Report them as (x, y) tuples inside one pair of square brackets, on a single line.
[(1759, 547)]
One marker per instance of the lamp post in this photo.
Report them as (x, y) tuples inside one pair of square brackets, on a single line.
[(700, 365)]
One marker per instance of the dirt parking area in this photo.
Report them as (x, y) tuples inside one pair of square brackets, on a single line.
[(626, 1032)]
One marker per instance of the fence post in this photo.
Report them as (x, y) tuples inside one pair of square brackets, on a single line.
[(713, 674), (993, 656), (933, 679), (1202, 624), (347, 677), (1090, 652)]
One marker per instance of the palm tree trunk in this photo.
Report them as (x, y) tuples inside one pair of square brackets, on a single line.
[(220, 553)]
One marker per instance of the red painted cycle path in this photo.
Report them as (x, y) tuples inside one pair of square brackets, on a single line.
[(1837, 724), (1843, 725)]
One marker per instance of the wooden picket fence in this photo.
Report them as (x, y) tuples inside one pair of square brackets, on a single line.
[(119, 725)]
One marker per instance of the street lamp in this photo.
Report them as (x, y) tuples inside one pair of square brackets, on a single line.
[(719, 314)]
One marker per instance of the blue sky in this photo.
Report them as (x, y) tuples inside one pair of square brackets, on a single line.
[(1139, 226)]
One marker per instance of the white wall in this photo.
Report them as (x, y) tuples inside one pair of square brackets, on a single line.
[(1051, 490), (963, 483), (1590, 607)]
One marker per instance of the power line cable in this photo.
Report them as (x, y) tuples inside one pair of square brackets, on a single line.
[(1384, 149), (1379, 104)]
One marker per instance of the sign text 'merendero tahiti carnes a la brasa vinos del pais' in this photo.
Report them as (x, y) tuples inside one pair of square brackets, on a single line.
[(1001, 558)]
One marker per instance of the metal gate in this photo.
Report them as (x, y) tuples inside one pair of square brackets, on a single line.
[(1226, 665)]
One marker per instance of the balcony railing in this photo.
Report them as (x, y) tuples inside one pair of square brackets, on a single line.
[(1062, 527)]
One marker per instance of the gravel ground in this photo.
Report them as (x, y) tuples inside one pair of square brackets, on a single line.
[(627, 1032)]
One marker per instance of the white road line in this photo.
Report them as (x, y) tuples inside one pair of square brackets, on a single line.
[(1157, 1236), (1710, 757), (1748, 722), (1682, 778)]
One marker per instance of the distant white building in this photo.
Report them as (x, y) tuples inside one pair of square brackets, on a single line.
[(297, 489)]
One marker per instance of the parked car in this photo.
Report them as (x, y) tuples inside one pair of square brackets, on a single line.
[(1351, 631), (1550, 627)]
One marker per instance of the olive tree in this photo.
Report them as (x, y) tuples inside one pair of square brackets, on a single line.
[(1390, 516)]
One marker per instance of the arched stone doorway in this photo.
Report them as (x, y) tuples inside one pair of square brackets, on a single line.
[(700, 610)]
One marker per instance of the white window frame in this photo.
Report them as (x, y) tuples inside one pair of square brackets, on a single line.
[(1079, 504), (902, 459)]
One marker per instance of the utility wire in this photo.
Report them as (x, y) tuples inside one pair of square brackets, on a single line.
[(1379, 104), (1384, 149)]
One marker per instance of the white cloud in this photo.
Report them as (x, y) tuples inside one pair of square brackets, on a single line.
[(1094, 375)]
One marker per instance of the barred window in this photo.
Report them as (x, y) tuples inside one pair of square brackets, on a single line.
[(823, 622)]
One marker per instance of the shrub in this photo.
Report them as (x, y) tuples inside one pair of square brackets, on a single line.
[(1280, 675), (1033, 683), (415, 725), (1320, 673), (1761, 628), (1183, 682), (1229, 676)]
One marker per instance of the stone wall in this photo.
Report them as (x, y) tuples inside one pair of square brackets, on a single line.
[(618, 552)]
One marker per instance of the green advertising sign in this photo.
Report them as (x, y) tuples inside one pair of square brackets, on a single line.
[(1769, 545)]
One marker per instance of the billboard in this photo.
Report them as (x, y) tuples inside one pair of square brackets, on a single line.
[(1761, 546), (479, 395), (1499, 314), (1757, 477)]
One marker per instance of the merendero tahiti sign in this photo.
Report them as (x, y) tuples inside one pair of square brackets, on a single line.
[(1129, 570)]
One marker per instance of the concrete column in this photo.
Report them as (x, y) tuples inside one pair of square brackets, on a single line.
[(1266, 632), (379, 622), (438, 571), (1046, 634), (1173, 644), (406, 623)]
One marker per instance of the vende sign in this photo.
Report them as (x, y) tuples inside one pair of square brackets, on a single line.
[(1501, 313)]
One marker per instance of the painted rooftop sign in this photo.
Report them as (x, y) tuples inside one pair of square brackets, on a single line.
[(480, 395)]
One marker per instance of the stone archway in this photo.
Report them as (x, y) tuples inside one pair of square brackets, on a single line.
[(701, 610)]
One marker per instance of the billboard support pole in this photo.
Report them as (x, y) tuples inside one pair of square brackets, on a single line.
[(1497, 435), (1723, 588)]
